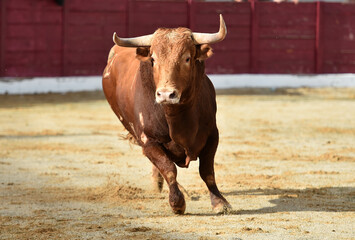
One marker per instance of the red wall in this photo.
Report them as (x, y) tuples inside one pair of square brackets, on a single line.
[(31, 38), (337, 38), (146, 16), (285, 38), (88, 27), (40, 38), (233, 54)]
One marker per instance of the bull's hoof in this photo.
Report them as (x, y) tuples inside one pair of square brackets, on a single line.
[(180, 210), (222, 208), (177, 203)]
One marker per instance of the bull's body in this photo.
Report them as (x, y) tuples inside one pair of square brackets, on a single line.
[(169, 133), (130, 90)]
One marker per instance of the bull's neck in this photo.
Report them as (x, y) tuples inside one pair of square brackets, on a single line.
[(182, 122), (183, 118), (178, 110)]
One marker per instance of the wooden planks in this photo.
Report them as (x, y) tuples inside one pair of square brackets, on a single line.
[(88, 30), (337, 36), (232, 55), (41, 38), (146, 16), (286, 38), (33, 38)]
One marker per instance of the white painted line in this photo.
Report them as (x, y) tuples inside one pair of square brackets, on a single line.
[(51, 84), (220, 81), (282, 81)]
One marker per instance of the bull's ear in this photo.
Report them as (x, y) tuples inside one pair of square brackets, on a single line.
[(204, 51), (143, 53)]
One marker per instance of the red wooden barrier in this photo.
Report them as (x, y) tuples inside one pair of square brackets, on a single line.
[(88, 29), (33, 38), (2, 36), (285, 38), (233, 54), (40, 38), (146, 16), (337, 36)]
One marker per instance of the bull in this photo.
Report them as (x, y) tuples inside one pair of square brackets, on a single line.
[(157, 86)]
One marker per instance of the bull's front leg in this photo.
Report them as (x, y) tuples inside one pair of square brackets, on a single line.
[(168, 170), (219, 203)]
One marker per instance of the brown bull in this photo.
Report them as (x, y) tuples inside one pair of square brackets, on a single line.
[(157, 86)]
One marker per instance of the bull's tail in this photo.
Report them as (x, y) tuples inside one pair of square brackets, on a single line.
[(129, 137)]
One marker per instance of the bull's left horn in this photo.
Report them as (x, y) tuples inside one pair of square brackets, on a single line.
[(142, 41), (203, 38)]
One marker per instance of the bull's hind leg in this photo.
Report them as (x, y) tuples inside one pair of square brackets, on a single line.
[(167, 168), (157, 179), (219, 203)]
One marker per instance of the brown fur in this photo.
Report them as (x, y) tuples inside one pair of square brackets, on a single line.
[(169, 134)]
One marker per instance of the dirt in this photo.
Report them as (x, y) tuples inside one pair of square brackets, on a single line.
[(285, 162)]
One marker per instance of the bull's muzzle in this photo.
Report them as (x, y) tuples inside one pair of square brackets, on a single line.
[(167, 96)]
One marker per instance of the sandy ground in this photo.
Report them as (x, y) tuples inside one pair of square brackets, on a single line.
[(286, 163)]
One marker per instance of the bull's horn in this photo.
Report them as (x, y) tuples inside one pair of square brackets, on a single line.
[(142, 41), (202, 38)]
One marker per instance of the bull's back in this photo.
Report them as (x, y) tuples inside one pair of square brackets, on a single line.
[(120, 69), (118, 82)]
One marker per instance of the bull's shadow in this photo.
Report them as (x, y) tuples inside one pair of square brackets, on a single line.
[(326, 199)]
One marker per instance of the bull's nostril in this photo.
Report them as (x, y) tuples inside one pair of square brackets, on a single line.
[(172, 95), (166, 96)]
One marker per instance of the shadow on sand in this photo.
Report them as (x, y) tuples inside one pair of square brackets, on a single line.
[(326, 199)]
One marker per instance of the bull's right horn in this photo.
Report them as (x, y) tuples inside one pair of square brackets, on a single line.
[(209, 38), (142, 41)]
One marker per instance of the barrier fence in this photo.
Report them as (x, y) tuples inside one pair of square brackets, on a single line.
[(42, 38)]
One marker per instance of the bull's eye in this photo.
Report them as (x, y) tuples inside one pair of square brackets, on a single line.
[(152, 60), (187, 59)]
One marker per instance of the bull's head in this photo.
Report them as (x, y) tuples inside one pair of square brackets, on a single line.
[(173, 54)]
